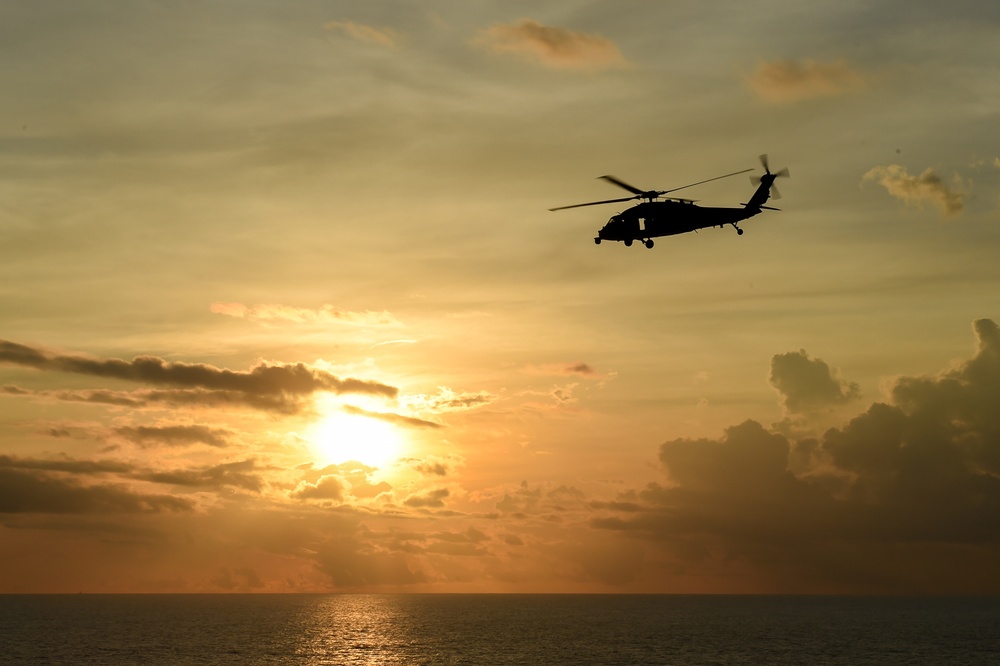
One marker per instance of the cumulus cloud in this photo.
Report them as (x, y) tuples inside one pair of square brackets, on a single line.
[(553, 47), (793, 80), (325, 314), (327, 487), (336, 481), (272, 386), (904, 497), (927, 188), (385, 37), (431, 499), (807, 384)]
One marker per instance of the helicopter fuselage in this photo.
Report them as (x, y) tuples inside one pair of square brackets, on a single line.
[(652, 219)]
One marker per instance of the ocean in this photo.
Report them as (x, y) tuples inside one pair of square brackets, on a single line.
[(496, 629)]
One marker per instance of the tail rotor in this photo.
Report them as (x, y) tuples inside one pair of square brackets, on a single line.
[(769, 177)]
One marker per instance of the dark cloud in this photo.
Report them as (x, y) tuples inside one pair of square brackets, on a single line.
[(807, 384), (395, 419), (25, 490), (265, 380), (903, 498), (350, 563), (243, 474), (175, 435)]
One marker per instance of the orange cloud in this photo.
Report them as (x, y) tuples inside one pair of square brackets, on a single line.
[(792, 80), (325, 314), (918, 190), (365, 33), (553, 47)]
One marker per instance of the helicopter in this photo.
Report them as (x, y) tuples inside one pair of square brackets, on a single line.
[(658, 215)]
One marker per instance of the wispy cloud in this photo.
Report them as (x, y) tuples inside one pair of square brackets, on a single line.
[(793, 80), (553, 47), (325, 314), (927, 188), (391, 417), (570, 369), (361, 32), (276, 386), (175, 435)]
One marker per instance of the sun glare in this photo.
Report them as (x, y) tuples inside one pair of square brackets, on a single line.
[(340, 437)]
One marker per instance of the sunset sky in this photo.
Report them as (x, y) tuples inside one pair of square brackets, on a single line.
[(283, 307)]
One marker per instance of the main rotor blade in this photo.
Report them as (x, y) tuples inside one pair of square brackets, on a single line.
[(783, 173), (594, 203), (775, 194), (630, 188), (735, 173)]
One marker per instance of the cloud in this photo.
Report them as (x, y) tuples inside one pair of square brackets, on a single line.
[(395, 419), (448, 400), (28, 486), (334, 482), (571, 369), (326, 314), (807, 384), (240, 474), (791, 80), (553, 47), (904, 497), (365, 33), (431, 499), (273, 386), (918, 190), (176, 435), (327, 487)]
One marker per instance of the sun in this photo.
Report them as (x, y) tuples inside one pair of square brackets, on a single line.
[(340, 436)]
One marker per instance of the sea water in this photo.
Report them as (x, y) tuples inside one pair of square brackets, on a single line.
[(496, 629)]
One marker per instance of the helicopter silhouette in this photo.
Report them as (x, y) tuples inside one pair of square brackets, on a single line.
[(658, 215)]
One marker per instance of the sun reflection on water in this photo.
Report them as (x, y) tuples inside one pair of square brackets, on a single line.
[(356, 629)]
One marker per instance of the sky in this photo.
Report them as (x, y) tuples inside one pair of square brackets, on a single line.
[(283, 307)]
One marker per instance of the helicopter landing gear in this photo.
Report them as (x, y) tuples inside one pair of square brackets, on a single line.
[(628, 242), (739, 232), (648, 243), (597, 241)]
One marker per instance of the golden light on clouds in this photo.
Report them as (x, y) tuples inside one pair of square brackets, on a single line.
[(552, 46), (325, 314), (341, 434), (793, 80), (927, 188), (365, 33), (281, 296)]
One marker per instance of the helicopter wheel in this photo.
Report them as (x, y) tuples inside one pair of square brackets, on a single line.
[(628, 243), (597, 241), (739, 232), (648, 243)]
